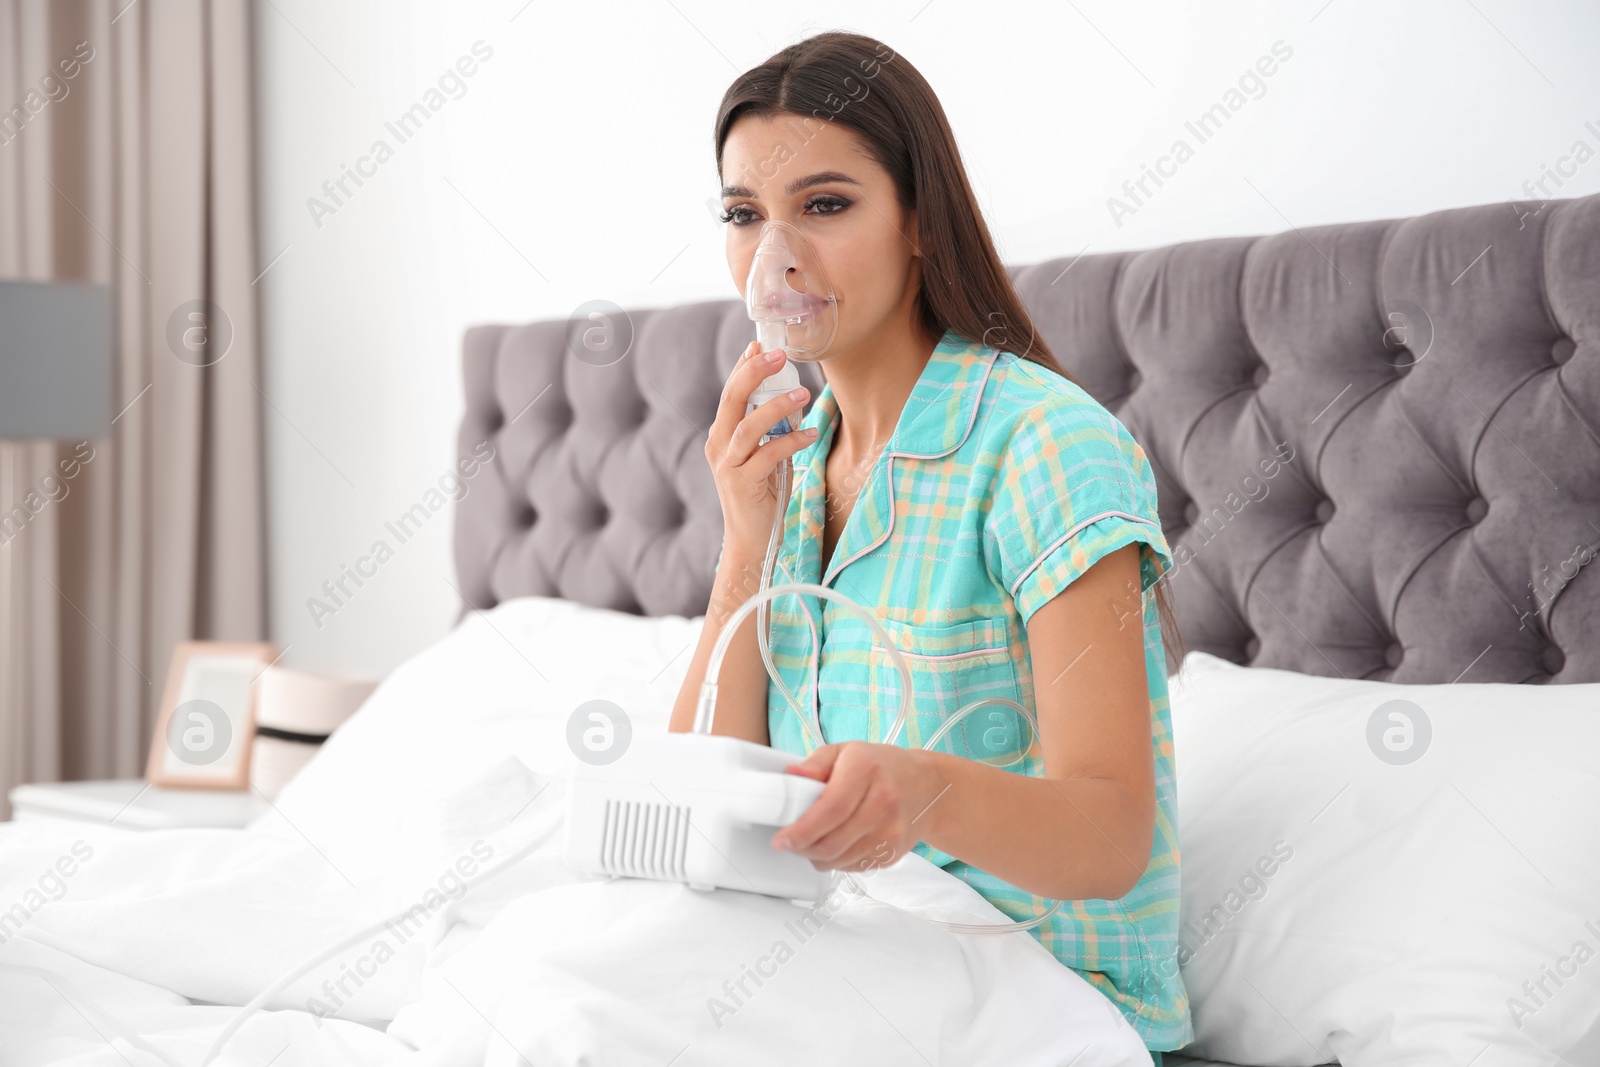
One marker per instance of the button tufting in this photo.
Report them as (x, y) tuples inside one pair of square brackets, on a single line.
[(1393, 655), (1260, 376), (1134, 380), (1562, 350), (1191, 513), (526, 516), (1324, 510), (1554, 659), (1477, 508), (1252, 647)]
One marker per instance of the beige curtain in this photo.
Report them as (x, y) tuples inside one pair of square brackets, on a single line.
[(135, 172)]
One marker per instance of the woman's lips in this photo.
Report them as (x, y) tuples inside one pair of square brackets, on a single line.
[(792, 308)]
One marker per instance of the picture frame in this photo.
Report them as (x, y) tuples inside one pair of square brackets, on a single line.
[(205, 725)]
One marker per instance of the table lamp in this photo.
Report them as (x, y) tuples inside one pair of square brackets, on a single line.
[(55, 360)]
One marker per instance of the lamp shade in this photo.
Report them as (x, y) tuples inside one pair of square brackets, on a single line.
[(55, 360)]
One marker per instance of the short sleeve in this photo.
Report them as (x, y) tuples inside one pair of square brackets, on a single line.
[(1071, 487)]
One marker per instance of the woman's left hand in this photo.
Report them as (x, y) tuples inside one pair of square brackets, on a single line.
[(868, 816)]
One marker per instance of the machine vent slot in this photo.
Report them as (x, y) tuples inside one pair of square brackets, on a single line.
[(645, 840)]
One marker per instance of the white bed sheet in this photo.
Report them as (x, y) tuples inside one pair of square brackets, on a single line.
[(142, 953)]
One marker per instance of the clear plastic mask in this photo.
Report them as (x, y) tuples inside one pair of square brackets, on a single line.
[(788, 296)]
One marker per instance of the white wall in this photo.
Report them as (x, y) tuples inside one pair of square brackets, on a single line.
[(577, 165)]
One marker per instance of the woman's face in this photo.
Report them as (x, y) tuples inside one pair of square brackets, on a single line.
[(818, 177)]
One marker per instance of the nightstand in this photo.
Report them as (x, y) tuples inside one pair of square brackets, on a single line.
[(135, 804)]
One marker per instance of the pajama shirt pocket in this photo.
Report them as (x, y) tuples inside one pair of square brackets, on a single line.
[(952, 665)]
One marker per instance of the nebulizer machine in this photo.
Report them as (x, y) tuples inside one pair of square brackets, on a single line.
[(700, 808)]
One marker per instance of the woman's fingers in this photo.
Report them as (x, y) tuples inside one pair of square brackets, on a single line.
[(867, 855), (759, 467), (741, 466), (827, 813), (745, 444), (819, 764), (855, 837), (752, 369)]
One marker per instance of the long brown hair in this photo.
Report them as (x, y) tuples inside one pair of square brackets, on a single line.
[(861, 84)]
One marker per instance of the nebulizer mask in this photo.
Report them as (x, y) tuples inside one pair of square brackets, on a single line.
[(788, 297)]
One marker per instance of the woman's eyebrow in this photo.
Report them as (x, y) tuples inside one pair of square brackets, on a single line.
[(820, 178)]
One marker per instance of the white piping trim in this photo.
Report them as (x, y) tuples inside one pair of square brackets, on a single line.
[(889, 470), (972, 418), (942, 656), (1064, 538)]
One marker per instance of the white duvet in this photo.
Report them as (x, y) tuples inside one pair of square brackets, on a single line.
[(444, 795)]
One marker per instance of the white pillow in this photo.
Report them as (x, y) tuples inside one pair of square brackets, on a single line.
[(1340, 902), (456, 740)]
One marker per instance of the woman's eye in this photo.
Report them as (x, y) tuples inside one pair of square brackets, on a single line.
[(739, 215), (834, 204)]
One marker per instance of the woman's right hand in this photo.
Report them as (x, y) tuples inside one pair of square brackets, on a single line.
[(742, 468)]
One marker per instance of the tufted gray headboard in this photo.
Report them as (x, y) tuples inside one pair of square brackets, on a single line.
[(1431, 387)]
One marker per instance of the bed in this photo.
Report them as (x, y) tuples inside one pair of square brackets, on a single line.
[(1431, 390)]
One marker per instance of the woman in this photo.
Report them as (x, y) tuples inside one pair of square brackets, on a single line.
[(1000, 523)]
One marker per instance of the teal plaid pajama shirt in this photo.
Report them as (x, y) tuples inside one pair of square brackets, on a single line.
[(1001, 484)]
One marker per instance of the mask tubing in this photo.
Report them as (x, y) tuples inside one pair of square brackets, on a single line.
[(705, 713), (763, 623), (950, 723)]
